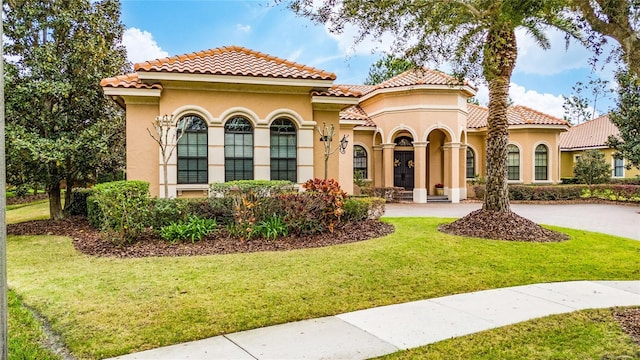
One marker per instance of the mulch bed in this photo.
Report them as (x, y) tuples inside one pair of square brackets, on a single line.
[(501, 225), (89, 241), (630, 321)]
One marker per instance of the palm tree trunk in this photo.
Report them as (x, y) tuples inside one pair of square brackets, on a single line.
[(500, 56)]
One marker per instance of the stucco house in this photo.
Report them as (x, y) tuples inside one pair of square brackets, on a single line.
[(255, 116), (592, 134)]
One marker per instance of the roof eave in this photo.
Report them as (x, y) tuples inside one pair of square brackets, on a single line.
[(233, 79)]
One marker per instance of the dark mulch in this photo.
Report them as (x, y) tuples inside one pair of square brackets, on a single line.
[(630, 321), (91, 242), (501, 225), (14, 200)]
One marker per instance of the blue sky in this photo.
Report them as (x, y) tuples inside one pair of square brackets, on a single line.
[(160, 28)]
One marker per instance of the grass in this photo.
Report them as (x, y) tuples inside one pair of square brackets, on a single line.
[(589, 334), (25, 333), (37, 210), (105, 307)]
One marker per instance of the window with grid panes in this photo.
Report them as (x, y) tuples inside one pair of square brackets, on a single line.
[(360, 162), (284, 148), (618, 167), (513, 162), (238, 149), (192, 151), (471, 163), (541, 160)]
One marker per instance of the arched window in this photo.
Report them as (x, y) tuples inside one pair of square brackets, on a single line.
[(283, 150), (238, 149), (471, 163), (513, 162), (360, 162), (192, 151), (541, 162)]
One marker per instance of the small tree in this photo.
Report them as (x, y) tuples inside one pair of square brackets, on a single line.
[(162, 126), (592, 168), (627, 118), (388, 67)]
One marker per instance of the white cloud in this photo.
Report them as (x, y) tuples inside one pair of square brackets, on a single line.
[(532, 59), (243, 28), (347, 38), (141, 46), (547, 103)]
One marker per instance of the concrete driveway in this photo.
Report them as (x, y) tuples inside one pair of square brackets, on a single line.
[(620, 220)]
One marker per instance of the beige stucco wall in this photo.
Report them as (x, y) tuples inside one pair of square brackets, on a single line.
[(143, 153), (527, 139), (569, 157)]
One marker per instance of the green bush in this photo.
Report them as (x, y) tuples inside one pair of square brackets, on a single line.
[(271, 228), (125, 208), (220, 209), (389, 194), (568, 192), (78, 204), (163, 212), (94, 213), (261, 188), (355, 209), (194, 229)]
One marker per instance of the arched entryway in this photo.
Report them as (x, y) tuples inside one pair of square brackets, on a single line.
[(404, 162), (435, 153)]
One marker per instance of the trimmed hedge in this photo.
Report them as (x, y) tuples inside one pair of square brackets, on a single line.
[(362, 208), (389, 194), (259, 187), (627, 193)]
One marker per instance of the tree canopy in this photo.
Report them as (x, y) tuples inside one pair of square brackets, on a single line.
[(58, 118), (476, 37), (627, 118)]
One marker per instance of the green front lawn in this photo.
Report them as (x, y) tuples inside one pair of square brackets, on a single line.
[(589, 334), (37, 210), (105, 307)]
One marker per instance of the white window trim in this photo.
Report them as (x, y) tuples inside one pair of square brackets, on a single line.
[(475, 162), (613, 168), (549, 163), (519, 180), (368, 151)]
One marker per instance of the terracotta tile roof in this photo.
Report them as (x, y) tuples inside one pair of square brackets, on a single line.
[(234, 60), (337, 90), (130, 81), (516, 115), (362, 89), (355, 112), (421, 76), (590, 134)]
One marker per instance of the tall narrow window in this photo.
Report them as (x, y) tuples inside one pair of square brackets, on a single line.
[(471, 163), (238, 149), (541, 163), (360, 162), (283, 150), (618, 167), (192, 151), (513, 162)]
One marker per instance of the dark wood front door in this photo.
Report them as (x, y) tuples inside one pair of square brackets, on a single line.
[(403, 169)]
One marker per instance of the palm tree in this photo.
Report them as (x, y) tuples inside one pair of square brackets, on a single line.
[(476, 37)]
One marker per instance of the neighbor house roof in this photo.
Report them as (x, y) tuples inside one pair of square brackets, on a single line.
[(590, 134), (234, 60), (516, 115), (337, 90)]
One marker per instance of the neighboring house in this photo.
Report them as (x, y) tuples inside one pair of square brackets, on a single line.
[(255, 116), (592, 134)]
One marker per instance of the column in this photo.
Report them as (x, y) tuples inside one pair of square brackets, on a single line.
[(262, 153), (452, 173), (420, 171), (387, 164)]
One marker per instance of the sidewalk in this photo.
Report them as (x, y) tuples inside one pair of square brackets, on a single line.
[(378, 331)]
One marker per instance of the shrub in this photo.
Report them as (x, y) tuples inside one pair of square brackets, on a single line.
[(193, 229), (124, 206), (355, 209), (300, 212), (569, 192), (78, 204), (389, 194), (220, 209), (592, 168), (163, 212), (331, 193), (22, 190), (271, 228), (569, 181), (261, 188), (94, 213)]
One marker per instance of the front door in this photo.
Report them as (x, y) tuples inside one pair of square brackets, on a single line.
[(403, 166)]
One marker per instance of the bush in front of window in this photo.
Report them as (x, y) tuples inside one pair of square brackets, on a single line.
[(194, 229)]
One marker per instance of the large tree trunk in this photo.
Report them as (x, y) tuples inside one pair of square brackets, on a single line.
[(499, 61), (55, 205)]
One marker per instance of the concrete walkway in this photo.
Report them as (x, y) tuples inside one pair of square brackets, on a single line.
[(374, 332), (619, 220)]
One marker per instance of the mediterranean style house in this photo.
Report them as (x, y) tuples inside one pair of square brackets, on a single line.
[(249, 115), (592, 134)]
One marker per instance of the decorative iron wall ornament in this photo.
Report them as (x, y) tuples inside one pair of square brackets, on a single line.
[(396, 162), (410, 164)]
